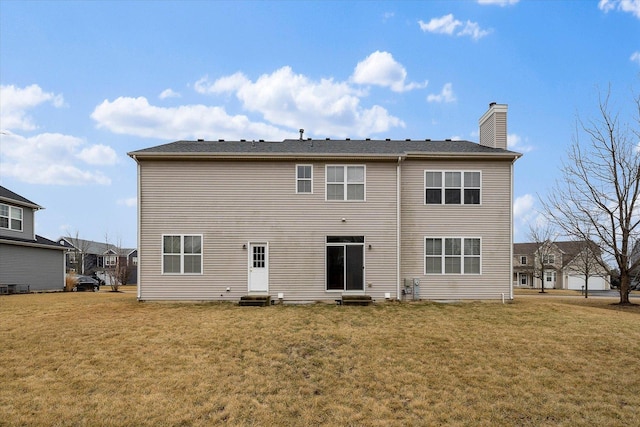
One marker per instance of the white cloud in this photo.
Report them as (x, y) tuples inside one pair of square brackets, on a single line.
[(515, 142), (446, 95), (98, 155), (523, 206), (630, 6), (128, 202), (324, 107), (48, 158), (15, 102), (524, 215), (276, 106), (635, 57), (498, 2), (446, 24), (381, 69), (135, 116), (473, 29), (169, 93), (449, 25), (223, 85)]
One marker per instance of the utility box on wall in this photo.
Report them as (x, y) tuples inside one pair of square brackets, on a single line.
[(411, 289)]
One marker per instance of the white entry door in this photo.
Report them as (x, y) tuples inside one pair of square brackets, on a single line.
[(258, 267)]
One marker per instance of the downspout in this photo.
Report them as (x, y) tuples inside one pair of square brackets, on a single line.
[(398, 212), (139, 215), (511, 233)]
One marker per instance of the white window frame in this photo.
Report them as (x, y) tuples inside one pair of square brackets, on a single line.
[(299, 179), (443, 256), (443, 187), (524, 282), (182, 254), (345, 183), (110, 260), (10, 218), (550, 276), (523, 260), (548, 259)]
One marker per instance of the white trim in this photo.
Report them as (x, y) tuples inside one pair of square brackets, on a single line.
[(443, 255), (364, 263), (443, 187), (9, 218), (345, 183), (304, 179), (250, 246), (182, 254)]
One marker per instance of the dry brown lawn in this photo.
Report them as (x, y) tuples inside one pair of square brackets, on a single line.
[(87, 359)]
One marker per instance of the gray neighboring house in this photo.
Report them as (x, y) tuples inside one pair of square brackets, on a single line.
[(28, 262), (91, 258), (305, 220)]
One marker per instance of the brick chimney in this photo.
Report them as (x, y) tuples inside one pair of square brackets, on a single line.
[(493, 126)]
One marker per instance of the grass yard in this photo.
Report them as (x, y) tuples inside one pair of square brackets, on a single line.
[(87, 359)]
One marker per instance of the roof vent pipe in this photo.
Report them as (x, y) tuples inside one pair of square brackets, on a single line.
[(301, 134)]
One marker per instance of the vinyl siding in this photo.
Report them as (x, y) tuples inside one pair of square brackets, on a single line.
[(41, 269), (490, 221), (493, 132), (234, 203)]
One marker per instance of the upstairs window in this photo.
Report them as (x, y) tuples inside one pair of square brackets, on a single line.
[(182, 254), (523, 260), (10, 217), (549, 259), (345, 182), (452, 187), (304, 179)]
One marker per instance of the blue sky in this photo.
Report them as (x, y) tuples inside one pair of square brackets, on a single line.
[(83, 83)]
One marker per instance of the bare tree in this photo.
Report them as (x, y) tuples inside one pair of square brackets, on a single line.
[(542, 234), (588, 262), (80, 248), (116, 264), (597, 197)]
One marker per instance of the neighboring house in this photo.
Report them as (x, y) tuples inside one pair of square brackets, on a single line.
[(308, 220), (564, 266), (91, 258), (28, 262)]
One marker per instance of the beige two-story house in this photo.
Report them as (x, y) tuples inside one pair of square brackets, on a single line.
[(560, 265), (311, 220)]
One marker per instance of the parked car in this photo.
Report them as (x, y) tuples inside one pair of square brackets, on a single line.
[(86, 283)]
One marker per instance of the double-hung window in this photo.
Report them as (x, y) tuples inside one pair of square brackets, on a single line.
[(10, 217), (182, 254), (345, 182), (452, 187), (304, 179), (452, 255)]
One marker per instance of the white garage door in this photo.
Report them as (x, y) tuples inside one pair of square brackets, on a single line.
[(595, 283)]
